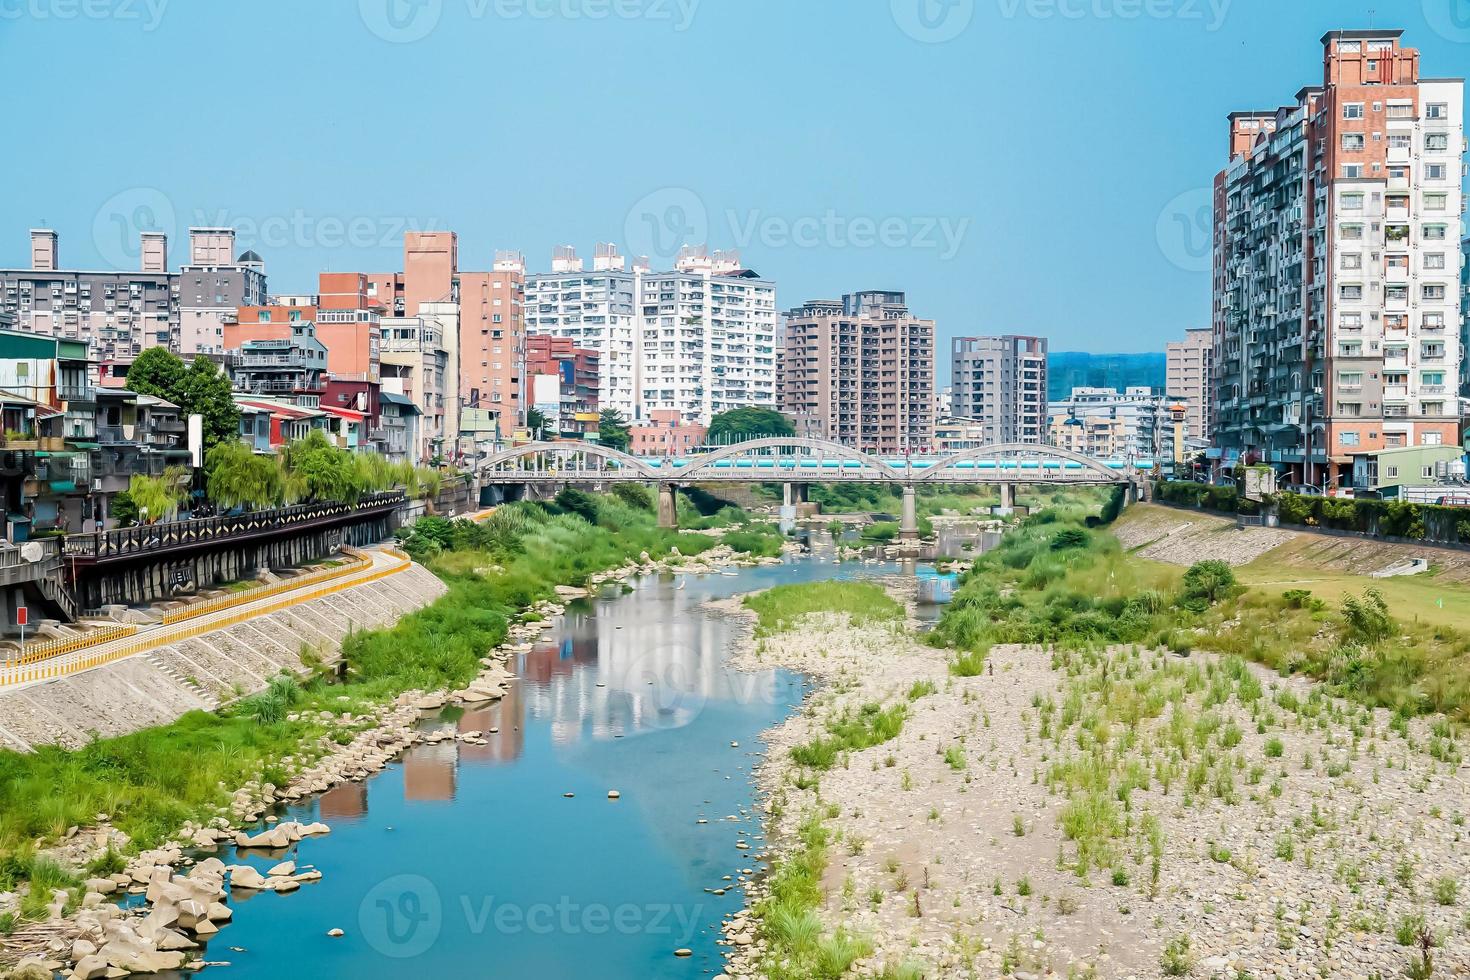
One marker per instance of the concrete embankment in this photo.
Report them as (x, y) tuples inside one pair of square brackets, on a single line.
[(200, 672)]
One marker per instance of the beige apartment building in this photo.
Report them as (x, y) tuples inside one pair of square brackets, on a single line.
[(1187, 379), (861, 372)]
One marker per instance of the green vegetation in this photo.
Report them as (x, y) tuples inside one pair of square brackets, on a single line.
[(308, 469), (200, 388), (852, 731), (612, 430), (780, 608), (748, 423), (159, 497), (1039, 586), (152, 781), (1380, 518)]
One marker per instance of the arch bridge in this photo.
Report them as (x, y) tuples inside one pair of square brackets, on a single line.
[(797, 462)]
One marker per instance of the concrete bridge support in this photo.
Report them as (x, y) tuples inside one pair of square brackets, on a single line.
[(668, 505), (794, 493), (1007, 497), (908, 523)]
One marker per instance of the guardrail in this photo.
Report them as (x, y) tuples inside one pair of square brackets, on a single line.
[(251, 595), (36, 652), (163, 636)]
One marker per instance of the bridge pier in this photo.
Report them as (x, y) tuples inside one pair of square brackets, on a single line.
[(794, 493), (1007, 498), (668, 505), (908, 524)]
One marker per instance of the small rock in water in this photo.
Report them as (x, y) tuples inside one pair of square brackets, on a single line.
[(613, 794), (734, 745), (683, 952), (334, 933), (569, 795)]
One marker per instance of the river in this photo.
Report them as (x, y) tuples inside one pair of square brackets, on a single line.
[(470, 860)]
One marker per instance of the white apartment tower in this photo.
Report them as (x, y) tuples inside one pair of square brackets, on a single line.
[(698, 340)]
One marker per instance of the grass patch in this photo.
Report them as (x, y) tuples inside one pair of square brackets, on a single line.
[(852, 731), (863, 603)]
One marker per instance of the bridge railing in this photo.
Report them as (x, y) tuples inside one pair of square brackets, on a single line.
[(121, 542)]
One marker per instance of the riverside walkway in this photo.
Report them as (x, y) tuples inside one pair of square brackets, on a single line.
[(48, 660)]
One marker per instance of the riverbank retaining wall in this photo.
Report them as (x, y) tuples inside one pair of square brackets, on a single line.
[(202, 672)]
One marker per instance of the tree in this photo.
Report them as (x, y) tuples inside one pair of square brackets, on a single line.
[(612, 430), (200, 388), (124, 509), (205, 390), (739, 424), (157, 372), (238, 477), (160, 496), (536, 422)]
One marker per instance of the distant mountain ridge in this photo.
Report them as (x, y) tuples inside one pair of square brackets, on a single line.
[(1066, 370)]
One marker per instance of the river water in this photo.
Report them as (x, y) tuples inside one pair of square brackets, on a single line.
[(469, 860)]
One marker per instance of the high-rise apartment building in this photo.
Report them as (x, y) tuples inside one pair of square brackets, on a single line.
[(1335, 266), (1000, 382), (212, 285), (861, 372), (117, 314), (698, 340), (1187, 378)]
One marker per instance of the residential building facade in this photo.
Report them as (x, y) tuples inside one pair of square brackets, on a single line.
[(862, 370), (1335, 305), (1001, 383), (1112, 424), (1187, 378), (698, 340)]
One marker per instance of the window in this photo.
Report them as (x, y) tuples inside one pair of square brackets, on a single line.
[(1351, 292), (1349, 439), (1352, 260), (1436, 110), (1434, 260), (1350, 379), (1352, 142), (1427, 472), (1431, 378), (1436, 141), (1434, 290), (1351, 170), (1434, 171), (1393, 440), (1393, 471), (1352, 110), (1400, 110), (1434, 233), (1429, 438), (1349, 47), (1400, 141), (1352, 233), (1434, 202), (1352, 202)]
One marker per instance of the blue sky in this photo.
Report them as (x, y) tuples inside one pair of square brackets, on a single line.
[(1033, 166)]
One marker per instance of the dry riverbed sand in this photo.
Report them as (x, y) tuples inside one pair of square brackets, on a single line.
[(1295, 834)]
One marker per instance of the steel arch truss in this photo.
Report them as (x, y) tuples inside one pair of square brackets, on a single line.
[(1020, 463), (564, 461), (786, 459)]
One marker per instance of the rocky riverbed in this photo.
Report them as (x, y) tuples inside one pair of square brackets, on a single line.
[(1120, 813)]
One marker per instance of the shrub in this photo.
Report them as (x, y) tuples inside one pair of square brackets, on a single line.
[(1366, 620), (1210, 580), (1068, 538)]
